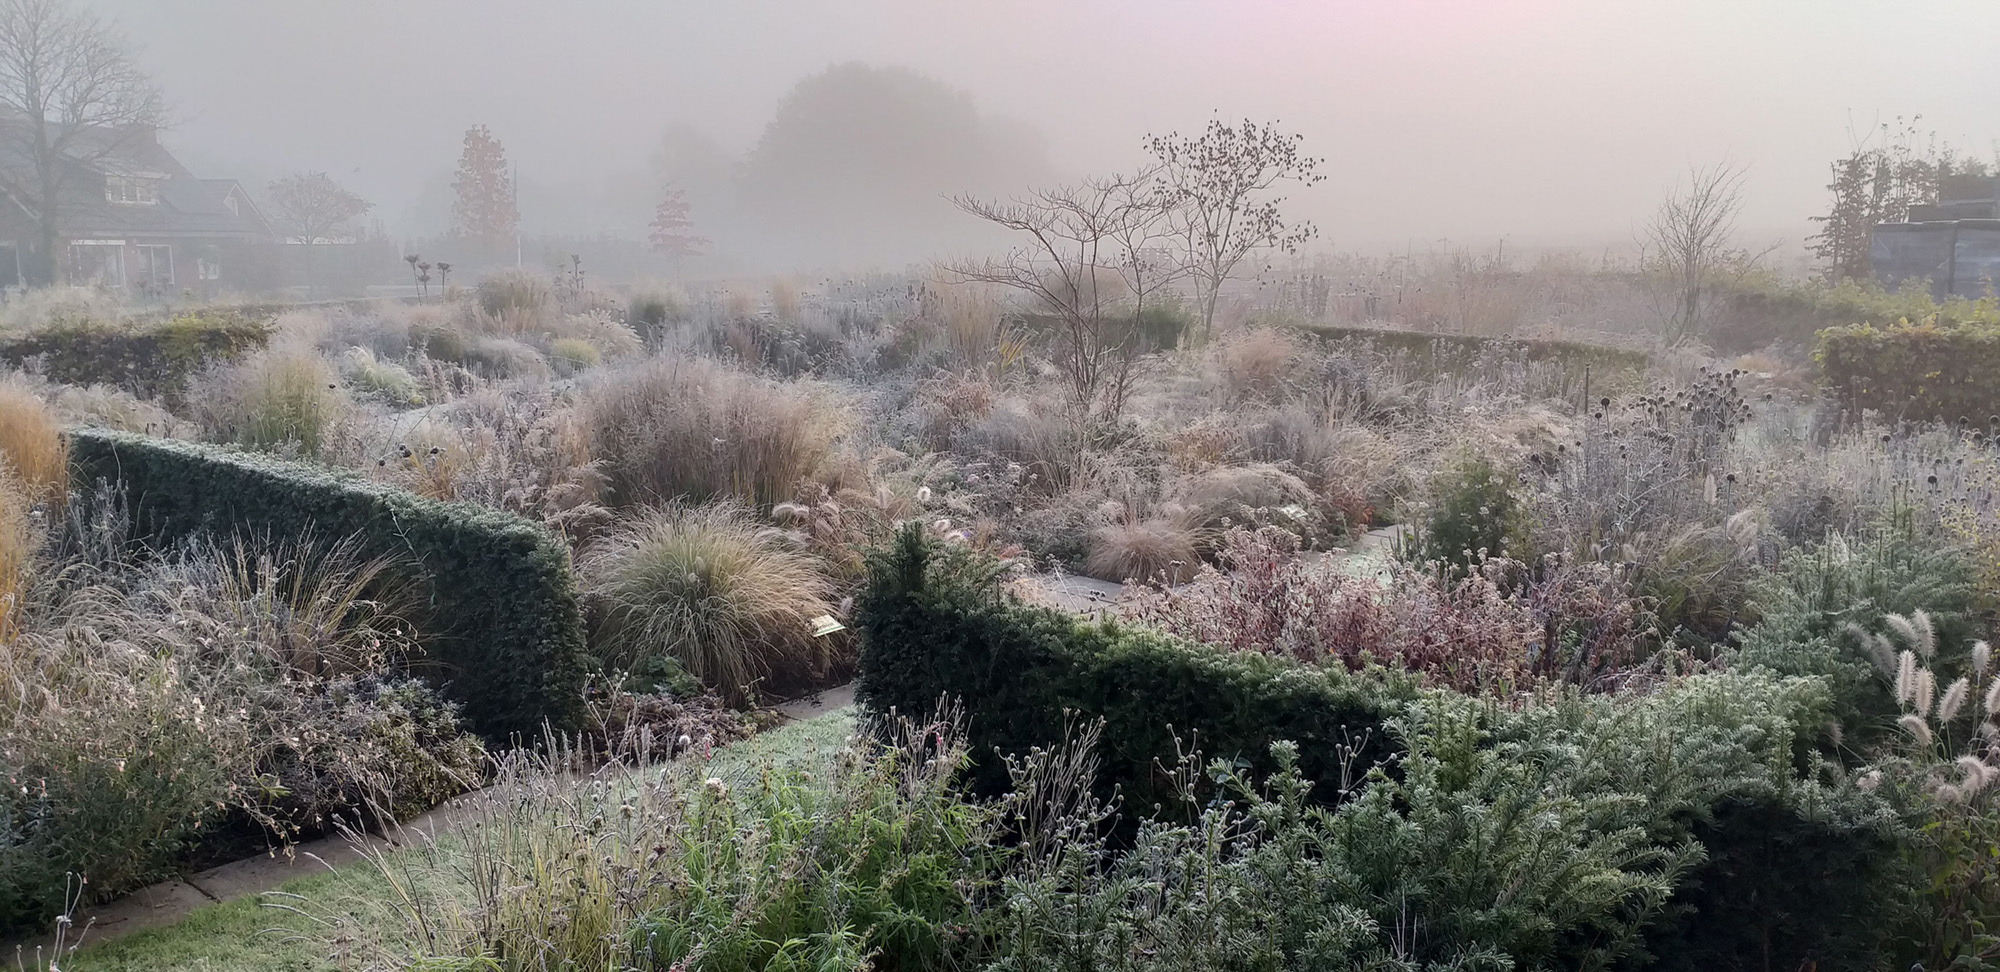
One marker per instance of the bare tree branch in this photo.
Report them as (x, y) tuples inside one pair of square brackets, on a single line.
[(1087, 249)]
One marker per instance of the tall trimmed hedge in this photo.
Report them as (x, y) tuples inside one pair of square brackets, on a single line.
[(507, 638), (1914, 371), (934, 623)]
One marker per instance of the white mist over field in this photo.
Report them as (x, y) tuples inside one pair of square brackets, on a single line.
[(1554, 122)]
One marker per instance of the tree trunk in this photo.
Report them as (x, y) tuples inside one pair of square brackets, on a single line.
[(49, 261)]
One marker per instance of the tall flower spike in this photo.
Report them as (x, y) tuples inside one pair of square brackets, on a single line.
[(1906, 677), (1954, 699), (1926, 693), (1993, 698), (1982, 658), (1921, 619)]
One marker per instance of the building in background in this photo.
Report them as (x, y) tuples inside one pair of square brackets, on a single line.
[(134, 219), (1954, 243)]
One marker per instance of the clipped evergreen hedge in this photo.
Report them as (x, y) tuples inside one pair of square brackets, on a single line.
[(507, 638), (934, 623), (1917, 371), (152, 360)]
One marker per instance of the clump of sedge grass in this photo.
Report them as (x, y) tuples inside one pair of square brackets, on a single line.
[(730, 600)]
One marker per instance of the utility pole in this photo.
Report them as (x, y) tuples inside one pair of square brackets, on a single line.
[(514, 183)]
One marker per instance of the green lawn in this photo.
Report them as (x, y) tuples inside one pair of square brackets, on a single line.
[(261, 934)]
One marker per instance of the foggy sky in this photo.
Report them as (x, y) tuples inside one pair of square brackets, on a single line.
[(1541, 121)]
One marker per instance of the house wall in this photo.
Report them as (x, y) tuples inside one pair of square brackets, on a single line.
[(1960, 258)]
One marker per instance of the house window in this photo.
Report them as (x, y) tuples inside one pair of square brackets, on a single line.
[(153, 267), (207, 269), (131, 190), (100, 262)]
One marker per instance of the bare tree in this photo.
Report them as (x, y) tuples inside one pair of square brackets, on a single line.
[(1687, 250), (1086, 266), (311, 206), (70, 97), (1218, 184)]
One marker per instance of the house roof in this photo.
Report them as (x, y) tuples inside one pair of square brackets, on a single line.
[(187, 206)]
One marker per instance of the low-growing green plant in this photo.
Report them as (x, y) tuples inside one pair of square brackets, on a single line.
[(387, 381), (1472, 516), (500, 357), (1816, 600), (733, 602)]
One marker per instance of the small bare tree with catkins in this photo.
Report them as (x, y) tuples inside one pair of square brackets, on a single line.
[(1218, 187)]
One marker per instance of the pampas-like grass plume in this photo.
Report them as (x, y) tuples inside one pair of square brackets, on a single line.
[(1982, 658), (1977, 774), (1916, 631), (1954, 699), (1917, 728), (1993, 698), (1924, 692)]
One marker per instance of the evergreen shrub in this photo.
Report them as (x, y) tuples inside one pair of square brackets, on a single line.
[(935, 623)]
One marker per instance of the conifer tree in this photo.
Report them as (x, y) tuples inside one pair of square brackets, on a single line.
[(673, 227)]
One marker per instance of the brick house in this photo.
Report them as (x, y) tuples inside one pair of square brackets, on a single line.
[(134, 218)]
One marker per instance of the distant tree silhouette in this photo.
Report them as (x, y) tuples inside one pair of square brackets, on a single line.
[(311, 206), (484, 210), (859, 162)]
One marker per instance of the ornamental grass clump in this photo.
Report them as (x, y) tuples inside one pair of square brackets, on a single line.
[(691, 428), (276, 399), (734, 602), (32, 446)]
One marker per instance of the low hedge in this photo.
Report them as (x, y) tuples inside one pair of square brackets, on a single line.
[(1919, 371), (934, 623), (1784, 863), (152, 360), (507, 638)]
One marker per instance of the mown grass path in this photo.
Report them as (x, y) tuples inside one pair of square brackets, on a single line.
[(246, 916)]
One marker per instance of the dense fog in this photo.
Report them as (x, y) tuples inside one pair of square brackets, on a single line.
[(829, 133)]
